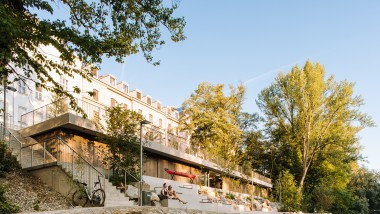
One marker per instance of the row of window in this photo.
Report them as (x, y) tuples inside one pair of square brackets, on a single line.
[(22, 89)]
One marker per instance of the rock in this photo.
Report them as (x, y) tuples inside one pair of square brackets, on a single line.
[(132, 192)]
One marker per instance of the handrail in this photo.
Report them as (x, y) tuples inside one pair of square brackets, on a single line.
[(79, 155)]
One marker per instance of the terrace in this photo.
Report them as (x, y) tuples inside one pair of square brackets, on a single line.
[(158, 140)]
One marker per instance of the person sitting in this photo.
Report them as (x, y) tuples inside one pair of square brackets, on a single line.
[(173, 195), (164, 192)]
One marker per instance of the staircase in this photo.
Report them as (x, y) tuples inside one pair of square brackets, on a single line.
[(32, 155), (114, 197)]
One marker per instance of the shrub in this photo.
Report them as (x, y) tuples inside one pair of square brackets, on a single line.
[(7, 161), (5, 206)]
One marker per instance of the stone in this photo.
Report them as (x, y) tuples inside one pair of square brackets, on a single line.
[(132, 192)]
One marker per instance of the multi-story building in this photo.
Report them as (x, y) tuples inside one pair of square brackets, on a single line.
[(39, 115)]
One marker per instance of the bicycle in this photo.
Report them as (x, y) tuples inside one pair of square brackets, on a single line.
[(82, 196)]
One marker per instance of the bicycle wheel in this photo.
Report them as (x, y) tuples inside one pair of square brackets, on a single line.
[(98, 197), (80, 198)]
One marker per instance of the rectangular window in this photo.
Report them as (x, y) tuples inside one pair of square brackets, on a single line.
[(96, 95), (160, 123), (125, 88), (21, 87), (113, 102), (64, 83), (138, 95), (125, 106), (112, 81), (150, 118), (158, 106), (169, 128), (140, 111), (39, 93), (21, 111), (96, 117), (149, 101)]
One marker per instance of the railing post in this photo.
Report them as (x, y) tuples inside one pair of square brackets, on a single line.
[(31, 162), (57, 150), (44, 152), (20, 152), (72, 163)]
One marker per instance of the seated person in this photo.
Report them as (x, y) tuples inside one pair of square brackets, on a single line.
[(164, 192), (173, 195)]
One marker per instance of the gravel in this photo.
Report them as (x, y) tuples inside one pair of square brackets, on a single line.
[(30, 194)]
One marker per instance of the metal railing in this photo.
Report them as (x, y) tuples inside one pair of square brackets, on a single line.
[(11, 141), (73, 162), (53, 151)]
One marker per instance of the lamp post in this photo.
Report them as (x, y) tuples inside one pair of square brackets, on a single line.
[(144, 122)]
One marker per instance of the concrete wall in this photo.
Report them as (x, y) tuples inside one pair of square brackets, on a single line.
[(56, 178)]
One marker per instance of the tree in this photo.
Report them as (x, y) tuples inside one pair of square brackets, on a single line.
[(211, 118), (120, 136), (287, 191), (93, 29), (308, 114), (366, 184)]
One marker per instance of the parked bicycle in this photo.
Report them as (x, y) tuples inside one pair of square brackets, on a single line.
[(83, 195)]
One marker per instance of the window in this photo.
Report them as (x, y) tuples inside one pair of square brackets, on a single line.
[(39, 93), (160, 123), (125, 88), (170, 128), (138, 95), (96, 117), (64, 83), (149, 101), (21, 87), (140, 111), (112, 81), (21, 111), (125, 106), (96, 95), (158, 106), (151, 118), (176, 115), (113, 102)]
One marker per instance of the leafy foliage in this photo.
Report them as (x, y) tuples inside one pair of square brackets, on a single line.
[(91, 30), (310, 115), (5, 206), (287, 191), (211, 118), (120, 135), (7, 161)]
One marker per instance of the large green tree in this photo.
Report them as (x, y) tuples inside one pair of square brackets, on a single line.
[(309, 114), (120, 136), (93, 29), (212, 119)]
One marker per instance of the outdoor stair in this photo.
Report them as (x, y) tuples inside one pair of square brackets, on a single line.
[(19, 144), (114, 197)]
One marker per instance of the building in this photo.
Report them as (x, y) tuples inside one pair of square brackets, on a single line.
[(40, 117)]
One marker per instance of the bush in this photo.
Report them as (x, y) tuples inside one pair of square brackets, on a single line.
[(6, 207), (7, 161)]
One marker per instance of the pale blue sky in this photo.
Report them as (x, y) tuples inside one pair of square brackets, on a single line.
[(251, 41)]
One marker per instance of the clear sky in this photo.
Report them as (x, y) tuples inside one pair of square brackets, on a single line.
[(251, 41)]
